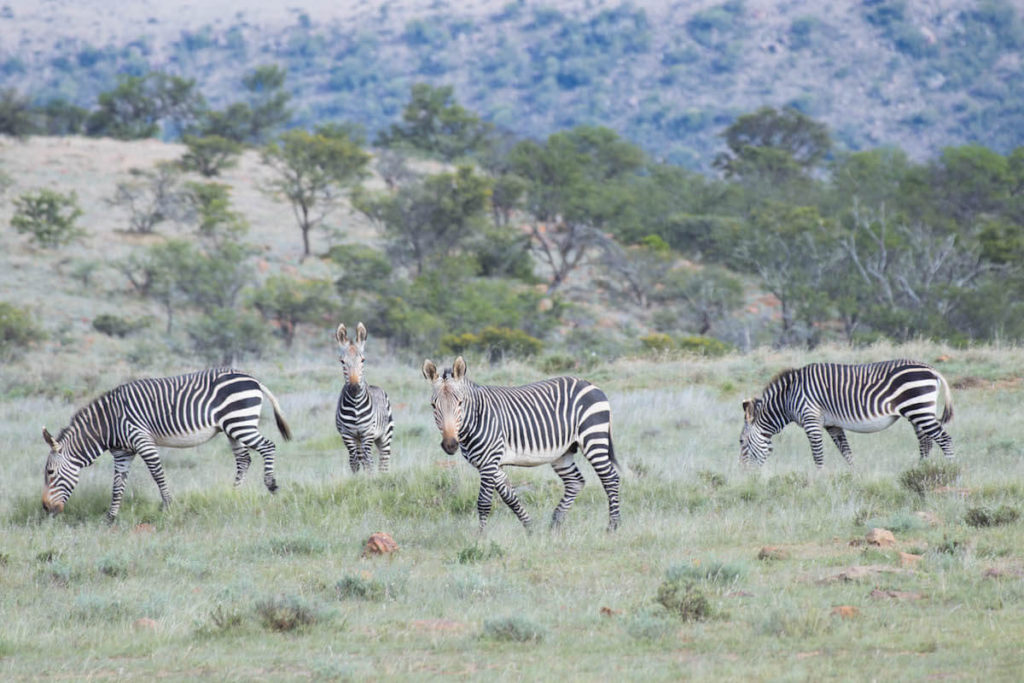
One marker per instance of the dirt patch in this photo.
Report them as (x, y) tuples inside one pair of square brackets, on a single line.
[(861, 572)]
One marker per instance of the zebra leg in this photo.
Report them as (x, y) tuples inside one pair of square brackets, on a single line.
[(484, 499), (146, 450), (266, 449), (839, 437), (366, 454), (508, 495), (813, 430), (931, 430), (354, 449), (598, 451), (122, 463), (573, 479), (384, 452), (242, 460)]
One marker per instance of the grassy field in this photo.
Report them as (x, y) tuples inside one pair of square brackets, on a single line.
[(239, 584)]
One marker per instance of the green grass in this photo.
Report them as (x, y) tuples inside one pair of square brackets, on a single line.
[(240, 583)]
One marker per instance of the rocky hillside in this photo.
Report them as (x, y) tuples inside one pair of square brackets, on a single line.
[(667, 75)]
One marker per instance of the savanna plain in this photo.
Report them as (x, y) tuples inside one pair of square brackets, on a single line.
[(717, 571)]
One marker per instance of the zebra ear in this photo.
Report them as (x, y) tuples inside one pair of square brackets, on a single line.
[(50, 441), (749, 408), (360, 335), (341, 335), (429, 370), (459, 368)]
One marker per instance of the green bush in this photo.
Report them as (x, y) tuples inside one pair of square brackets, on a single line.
[(704, 346), (657, 342), (362, 588), (115, 326), (477, 553), (286, 613), (513, 629), (209, 155), (17, 330), (494, 342), (986, 516), (48, 216), (928, 476), (683, 600)]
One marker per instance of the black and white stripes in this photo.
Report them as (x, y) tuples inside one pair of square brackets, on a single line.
[(363, 416), (826, 397), (137, 417), (541, 423)]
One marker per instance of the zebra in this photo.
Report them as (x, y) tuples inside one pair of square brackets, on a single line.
[(862, 398), (364, 412), (536, 424), (136, 417)]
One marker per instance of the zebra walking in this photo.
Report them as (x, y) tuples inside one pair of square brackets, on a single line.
[(137, 417), (826, 397), (364, 412), (537, 424)]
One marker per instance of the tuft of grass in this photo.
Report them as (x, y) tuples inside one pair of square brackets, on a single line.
[(788, 484), (88, 607), (114, 567), (711, 479), (650, 625), (296, 545), (362, 588), (224, 618), (684, 600), (712, 571), (803, 624), (896, 523), (985, 516), (476, 553), (513, 629), (928, 476), (286, 613)]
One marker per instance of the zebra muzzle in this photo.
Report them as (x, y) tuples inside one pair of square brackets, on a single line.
[(450, 445)]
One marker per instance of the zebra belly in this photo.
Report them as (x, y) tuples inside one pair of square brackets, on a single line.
[(186, 440), (524, 458), (864, 426)]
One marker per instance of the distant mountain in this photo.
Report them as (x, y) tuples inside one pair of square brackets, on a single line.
[(668, 75)]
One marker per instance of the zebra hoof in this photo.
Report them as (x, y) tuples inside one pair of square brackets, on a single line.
[(272, 487)]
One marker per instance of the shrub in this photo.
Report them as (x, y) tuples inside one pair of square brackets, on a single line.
[(658, 342), (226, 618), (209, 155), (17, 330), (797, 624), (115, 326), (48, 216), (985, 516), (495, 342), (683, 600), (475, 553), (286, 613), (362, 588), (114, 567), (928, 476), (513, 629), (704, 346)]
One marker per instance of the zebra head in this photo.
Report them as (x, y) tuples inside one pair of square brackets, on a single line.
[(755, 442), (449, 394), (351, 353), (60, 474)]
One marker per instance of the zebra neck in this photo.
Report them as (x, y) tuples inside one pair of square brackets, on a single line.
[(355, 393), (475, 408), (92, 429)]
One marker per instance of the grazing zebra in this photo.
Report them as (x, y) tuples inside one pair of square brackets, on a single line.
[(364, 413), (136, 417), (536, 424), (862, 398)]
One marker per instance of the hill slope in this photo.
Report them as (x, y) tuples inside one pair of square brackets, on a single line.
[(669, 76)]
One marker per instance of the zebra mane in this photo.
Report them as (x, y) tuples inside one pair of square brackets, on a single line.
[(79, 418), (781, 378)]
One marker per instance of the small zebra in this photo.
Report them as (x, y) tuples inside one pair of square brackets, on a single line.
[(364, 412), (862, 398), (137, 417), (537, 424)]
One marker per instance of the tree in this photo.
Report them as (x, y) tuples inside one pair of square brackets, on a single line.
[(268, 101), (435, 123), (429, 220), (311, 171), (17, 117), (18, 330), (639, 268), (153, 198), (578, 185), (209, 155), (48, 216), (709, 295), (289, 302), (139, 105), (773, 142), (225, 335), (210, 208)]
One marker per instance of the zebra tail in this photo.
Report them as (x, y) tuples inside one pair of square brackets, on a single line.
[(947, 410), (282, 425)]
